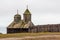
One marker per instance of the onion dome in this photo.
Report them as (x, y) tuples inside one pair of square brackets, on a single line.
[(17, 17)]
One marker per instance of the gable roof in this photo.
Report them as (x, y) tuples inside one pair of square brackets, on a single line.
[(29, 24), (21, 24)]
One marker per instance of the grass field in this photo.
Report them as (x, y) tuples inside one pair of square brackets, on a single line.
[(28, 34), (47, 38)]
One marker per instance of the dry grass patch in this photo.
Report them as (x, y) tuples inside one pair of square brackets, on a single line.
[(44, 38), (28, 34)]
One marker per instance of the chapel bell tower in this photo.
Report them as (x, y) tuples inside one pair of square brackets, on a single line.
[(27, 15)]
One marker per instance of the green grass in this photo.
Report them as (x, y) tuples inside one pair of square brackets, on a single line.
[(27, 34)]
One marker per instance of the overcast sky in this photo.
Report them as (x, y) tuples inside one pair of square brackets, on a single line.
[(43, 11)]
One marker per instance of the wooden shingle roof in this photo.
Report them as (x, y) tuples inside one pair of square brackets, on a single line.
[(21, 24), (27, 11)]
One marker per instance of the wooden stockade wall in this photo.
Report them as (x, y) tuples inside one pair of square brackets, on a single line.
[(46, 28), (36, 29)]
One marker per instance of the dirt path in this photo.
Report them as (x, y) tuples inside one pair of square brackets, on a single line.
[(42, 36)]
